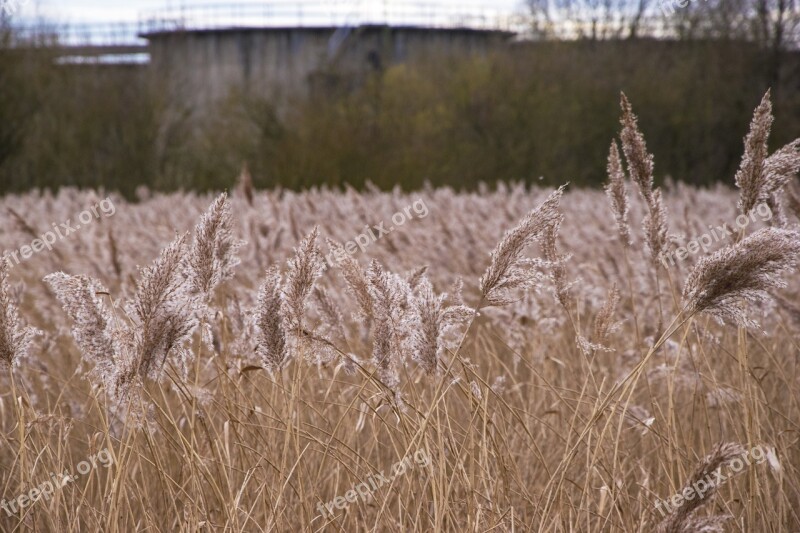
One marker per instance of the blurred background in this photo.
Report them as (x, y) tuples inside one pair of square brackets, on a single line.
[(178, 95)]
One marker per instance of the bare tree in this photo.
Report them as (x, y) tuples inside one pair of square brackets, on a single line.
[(588, 19), (773, 24), (777, 23)]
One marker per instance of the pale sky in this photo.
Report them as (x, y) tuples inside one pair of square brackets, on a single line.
[(78, 11)]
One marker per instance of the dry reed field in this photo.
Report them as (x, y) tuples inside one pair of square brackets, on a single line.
[(514, 359)]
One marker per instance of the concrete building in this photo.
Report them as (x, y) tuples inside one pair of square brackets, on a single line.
[(278, 50), (282, 51), (282, 63)]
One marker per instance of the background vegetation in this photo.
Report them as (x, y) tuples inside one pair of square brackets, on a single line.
[(539, 111)]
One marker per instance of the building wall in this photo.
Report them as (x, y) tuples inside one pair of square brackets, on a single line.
[(285, 63)]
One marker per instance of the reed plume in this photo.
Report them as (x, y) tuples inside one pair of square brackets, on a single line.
[(354, 277), (557, 263), (392, 322), (15, 338), (743, 272), (161, 321), (162, 311), (92, 321), (333, 320), (781, 167), (779, 170), (750, 178), (271, 345), (655, 227), (604, 324), (640, 161), (618, 195), (761, 177), (683, 519), (436, 320), (414, 278), (107, 344), (640, 168), (303, 270), (212, 257), (509, 272)]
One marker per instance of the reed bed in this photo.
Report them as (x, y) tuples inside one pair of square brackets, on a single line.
[(506, 359)]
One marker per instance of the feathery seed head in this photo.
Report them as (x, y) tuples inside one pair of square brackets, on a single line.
[(392, 321), (162, 310), (779, 170), (604, 321), (354, 277), (683, 519), (212, 256), (304, 268), (557, 263), (743, 272), (15, 339), (618, 194), (435, 322), (655, 227), (92, 321), (640, 162), (271, 335), (509, 272), (751, 178)]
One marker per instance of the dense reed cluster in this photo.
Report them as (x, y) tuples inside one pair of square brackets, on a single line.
[(564, 381)]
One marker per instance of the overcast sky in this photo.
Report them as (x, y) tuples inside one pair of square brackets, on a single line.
[(75, 11)]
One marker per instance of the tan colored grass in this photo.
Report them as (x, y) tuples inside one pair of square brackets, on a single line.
[(259, 396)]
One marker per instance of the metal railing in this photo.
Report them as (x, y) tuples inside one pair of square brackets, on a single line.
[(331, 13), (79, 35), (345, 14)]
